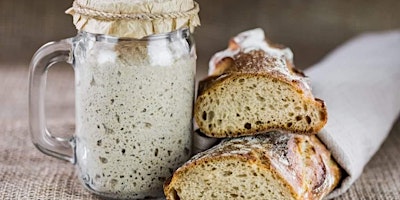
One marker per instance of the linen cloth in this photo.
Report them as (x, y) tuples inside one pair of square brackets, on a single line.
[(360, 83)]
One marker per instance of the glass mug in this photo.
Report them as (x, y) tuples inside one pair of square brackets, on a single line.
[(134, 104)]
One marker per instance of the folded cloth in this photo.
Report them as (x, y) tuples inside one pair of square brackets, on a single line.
[(360, 83)]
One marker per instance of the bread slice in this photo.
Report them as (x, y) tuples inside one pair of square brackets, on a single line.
[(254, 89), (270, 166)]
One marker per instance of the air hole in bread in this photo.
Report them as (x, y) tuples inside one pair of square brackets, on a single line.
[(271, 107), (260, 98), (227, 173), (247, 125), (247, 108), (291, 114), (204, 116), (298, 118), (308, 119), (241, 80), (259, 122), (234, 195), (289, 124), (211, 115)]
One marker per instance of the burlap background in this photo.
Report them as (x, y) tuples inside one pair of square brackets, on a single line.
[(25, 173)]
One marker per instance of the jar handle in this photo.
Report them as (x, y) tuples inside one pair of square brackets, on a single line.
[(44, 58)]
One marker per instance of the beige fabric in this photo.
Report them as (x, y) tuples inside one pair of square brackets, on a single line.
[(360, 84), (136, 19)]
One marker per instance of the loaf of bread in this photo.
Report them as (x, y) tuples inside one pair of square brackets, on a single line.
[(268, 166), (254, 88)]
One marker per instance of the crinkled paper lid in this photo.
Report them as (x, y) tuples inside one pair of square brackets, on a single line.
[(134, 18)]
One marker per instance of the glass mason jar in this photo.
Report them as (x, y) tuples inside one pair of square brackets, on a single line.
[(134, 101)]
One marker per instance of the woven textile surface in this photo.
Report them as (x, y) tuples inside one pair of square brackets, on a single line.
[(25, 173)]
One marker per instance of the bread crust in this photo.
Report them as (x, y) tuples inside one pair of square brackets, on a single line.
[(301, 163)]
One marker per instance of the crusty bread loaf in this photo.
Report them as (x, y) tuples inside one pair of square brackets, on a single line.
[(255, 88), (269, 166)]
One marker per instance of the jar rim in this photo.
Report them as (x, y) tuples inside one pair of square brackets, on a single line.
[(180, 33)]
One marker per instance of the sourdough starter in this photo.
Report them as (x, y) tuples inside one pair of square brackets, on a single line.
[(134, 110)]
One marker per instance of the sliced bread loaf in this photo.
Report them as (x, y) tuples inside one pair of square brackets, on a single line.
[(270, 166), (255, 88)]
